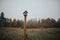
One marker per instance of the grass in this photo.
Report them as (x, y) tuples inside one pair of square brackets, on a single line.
[(32, 34)]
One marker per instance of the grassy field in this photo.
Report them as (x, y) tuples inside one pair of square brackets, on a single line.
[(32, 34)]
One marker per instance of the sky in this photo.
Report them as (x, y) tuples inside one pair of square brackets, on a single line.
[(38, 9)]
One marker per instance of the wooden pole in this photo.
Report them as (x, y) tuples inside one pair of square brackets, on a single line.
[(25, 35)]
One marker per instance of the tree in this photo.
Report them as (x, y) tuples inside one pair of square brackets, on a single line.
[(48, 22), (42, 24), (10, 22), (14, 23), (32, 23), (2, 20), (53, 22), (58, 23), (20, 23), (39, 23)]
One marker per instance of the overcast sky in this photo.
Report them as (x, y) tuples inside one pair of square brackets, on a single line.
[(36, 8)]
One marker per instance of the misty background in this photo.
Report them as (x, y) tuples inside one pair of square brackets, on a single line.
[(36, 8)]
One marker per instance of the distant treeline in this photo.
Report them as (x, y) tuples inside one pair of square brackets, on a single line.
[(32, 23), (44, 23), (8, 22)]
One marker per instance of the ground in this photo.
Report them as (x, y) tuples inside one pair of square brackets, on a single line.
[(32, 34)]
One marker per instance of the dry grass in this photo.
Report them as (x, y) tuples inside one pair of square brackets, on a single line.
[(32, 34)]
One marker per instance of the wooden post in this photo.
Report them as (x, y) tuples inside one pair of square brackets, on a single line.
[(25, 35), (25, 15)]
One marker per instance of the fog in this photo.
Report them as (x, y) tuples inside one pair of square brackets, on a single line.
[(36, 8)]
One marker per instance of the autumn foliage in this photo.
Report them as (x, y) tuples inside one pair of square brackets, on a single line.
[(32, 23)]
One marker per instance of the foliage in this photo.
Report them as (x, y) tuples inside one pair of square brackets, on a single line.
[(46, 23), (32, 23), (58, 23)]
